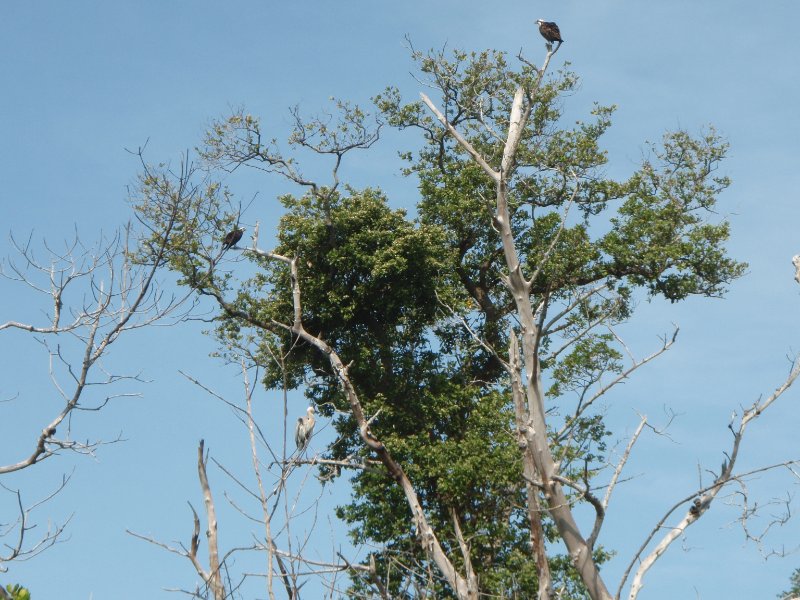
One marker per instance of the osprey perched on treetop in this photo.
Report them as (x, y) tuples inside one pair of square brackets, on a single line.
[(232, 238), (549, 31)]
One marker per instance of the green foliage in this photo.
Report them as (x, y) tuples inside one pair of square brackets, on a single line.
[(459, 439), (18, 592), (351, 254), (404, 301), (659, 239), (794, 591)]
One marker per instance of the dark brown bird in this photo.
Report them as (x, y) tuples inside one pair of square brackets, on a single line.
[(232, 238), (549, 31)]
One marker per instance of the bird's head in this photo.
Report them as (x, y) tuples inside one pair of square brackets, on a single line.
[(539, 21), (310, 410)]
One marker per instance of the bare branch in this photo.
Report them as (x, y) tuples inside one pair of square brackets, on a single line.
[(472, 580), (704, 496), (461, 139), (622, 461), (524, 435), (214, 578), (128, 299), (22, 549)]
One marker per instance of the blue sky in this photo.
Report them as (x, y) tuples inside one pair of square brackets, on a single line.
[(84, 82)]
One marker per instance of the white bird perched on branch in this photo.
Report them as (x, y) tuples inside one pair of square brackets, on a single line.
[(304, 429)]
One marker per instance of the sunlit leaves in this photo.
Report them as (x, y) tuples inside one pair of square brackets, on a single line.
[(18, 592)]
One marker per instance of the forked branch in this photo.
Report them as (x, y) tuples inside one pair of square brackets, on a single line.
[(701, 499)]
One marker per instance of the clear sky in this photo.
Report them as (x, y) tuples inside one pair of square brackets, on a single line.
[(84, 82)]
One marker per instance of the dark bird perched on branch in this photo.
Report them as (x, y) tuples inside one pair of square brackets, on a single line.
[(694, 509), (232, 238), (304, 429), (549, 31)]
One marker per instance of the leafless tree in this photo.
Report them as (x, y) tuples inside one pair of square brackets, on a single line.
[(93, 295)]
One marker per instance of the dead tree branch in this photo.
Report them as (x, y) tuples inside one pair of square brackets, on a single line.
[(213, 578), (701, 499), (93, 296)]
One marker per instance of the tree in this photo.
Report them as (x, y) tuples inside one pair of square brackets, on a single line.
[(462, 353), (93, 295)]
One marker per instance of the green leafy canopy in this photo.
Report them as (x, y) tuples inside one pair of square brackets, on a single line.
[(418, 307)]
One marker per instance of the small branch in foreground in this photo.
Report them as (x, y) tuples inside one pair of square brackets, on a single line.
[(213, 576)]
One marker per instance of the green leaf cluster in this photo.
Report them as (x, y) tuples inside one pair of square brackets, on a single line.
[(18, 592)]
